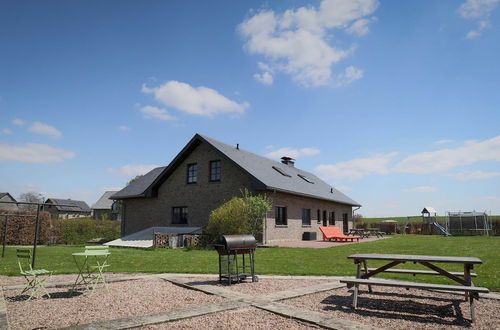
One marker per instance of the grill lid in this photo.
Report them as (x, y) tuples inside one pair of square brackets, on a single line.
[(239, 241)]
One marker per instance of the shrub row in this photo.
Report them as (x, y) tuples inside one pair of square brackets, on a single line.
[(21, 229)]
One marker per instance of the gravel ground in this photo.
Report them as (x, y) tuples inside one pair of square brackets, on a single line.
[(395, 308), (243, 318), (262, 287), (14, 280), (137, 297)]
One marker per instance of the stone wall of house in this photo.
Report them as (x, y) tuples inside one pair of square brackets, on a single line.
[(8, 206), (294, 229), (200, 198)]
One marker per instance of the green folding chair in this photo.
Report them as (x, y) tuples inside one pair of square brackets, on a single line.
[(99, 267), (34, 277)]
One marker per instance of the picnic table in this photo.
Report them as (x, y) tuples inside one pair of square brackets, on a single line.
[(91, 264), (358, 232), (464, 279)]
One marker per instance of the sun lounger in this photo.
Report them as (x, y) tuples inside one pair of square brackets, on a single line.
[(336, 234)]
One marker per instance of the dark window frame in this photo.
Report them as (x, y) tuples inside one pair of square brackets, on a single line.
[(318, 215), (306, 217), (192, 175), (331, 218), (280, 216), (183, 215), (214, 176)]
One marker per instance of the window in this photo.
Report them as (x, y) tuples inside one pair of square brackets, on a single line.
[(280, 171), (192, 175), (280, 216), (179, 215), (318, 216), (215, 170), (303, 177), (306, 217), (331, 219)]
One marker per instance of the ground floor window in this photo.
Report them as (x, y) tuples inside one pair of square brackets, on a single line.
[(331, 219), (306, 217), (345, 222), (179, 215), (318, 216), (280, 216)]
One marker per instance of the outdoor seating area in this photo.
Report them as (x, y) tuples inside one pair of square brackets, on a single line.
[(200, 301)]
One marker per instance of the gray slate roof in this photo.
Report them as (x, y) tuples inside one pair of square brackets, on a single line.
[(139, 186), (77, 206), (262, 169), (104, 203), (257, 166), (3, 194)]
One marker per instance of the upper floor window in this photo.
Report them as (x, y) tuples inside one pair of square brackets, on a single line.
[(306, 217), (192, 173), (179, 215), (215, 170), (280, 216)]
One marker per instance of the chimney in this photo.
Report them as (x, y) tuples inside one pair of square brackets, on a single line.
[(288, 161)]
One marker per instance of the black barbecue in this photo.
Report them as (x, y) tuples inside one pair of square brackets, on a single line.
[(236, 258)]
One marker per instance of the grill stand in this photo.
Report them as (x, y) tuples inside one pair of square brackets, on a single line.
[(229, 267)]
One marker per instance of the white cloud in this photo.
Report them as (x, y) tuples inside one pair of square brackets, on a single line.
[(445, 141), (357, 168), (7, 131), (265, 78), (44, 129), (468, 175), (420, 189), (33, 153), (349, 75), (18, 122), (479, 11), (292, 152), (123, 128), (446, 159), (151, 112), (200, 100), (130, 170), (298, 41)]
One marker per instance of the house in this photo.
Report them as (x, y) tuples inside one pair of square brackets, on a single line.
[(105, 208), (6, 197), (66, 208), (206, 173)]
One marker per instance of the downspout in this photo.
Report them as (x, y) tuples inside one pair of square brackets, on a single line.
[(353, 214)]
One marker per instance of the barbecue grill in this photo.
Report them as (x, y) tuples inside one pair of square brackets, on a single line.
[(236, 258)]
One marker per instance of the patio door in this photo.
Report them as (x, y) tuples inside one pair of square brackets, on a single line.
[(325, 221), (345, 223)]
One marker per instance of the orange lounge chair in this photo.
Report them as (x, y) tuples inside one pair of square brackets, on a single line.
[(335, 233)]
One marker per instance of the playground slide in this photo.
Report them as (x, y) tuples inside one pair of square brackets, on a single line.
[(441, 229)]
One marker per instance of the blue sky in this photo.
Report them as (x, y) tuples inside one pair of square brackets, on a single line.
[(395, 103)]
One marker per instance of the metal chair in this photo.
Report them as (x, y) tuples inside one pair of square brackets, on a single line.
[(33, 277)]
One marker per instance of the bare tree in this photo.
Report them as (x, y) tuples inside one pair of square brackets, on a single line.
[(30, 197)]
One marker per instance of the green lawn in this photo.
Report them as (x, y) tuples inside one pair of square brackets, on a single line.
[(289, 261), (417, 218)]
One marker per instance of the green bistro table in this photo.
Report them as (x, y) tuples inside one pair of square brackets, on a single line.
[(91, 265)]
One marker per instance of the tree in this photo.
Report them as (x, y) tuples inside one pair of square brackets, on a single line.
[(358, 219), (240, 215), (137, 177), (30, 197)]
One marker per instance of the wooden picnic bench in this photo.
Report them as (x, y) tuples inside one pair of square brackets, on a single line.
[(463, 278)]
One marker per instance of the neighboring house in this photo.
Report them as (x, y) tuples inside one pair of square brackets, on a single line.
[(206, 173), (6, 197), (105, 208), (66, 208)]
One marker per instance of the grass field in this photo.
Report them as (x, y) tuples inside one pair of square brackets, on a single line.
[(289, 261), (416, 218)]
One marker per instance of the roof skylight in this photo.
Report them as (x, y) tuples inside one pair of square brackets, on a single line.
[(303, 177), (280, 171)]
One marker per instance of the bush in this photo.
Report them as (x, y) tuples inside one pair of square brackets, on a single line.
[(240, 215), (81, 230), (21, 227)]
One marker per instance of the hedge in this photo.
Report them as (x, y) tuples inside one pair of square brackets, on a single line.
[(21, 229)]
